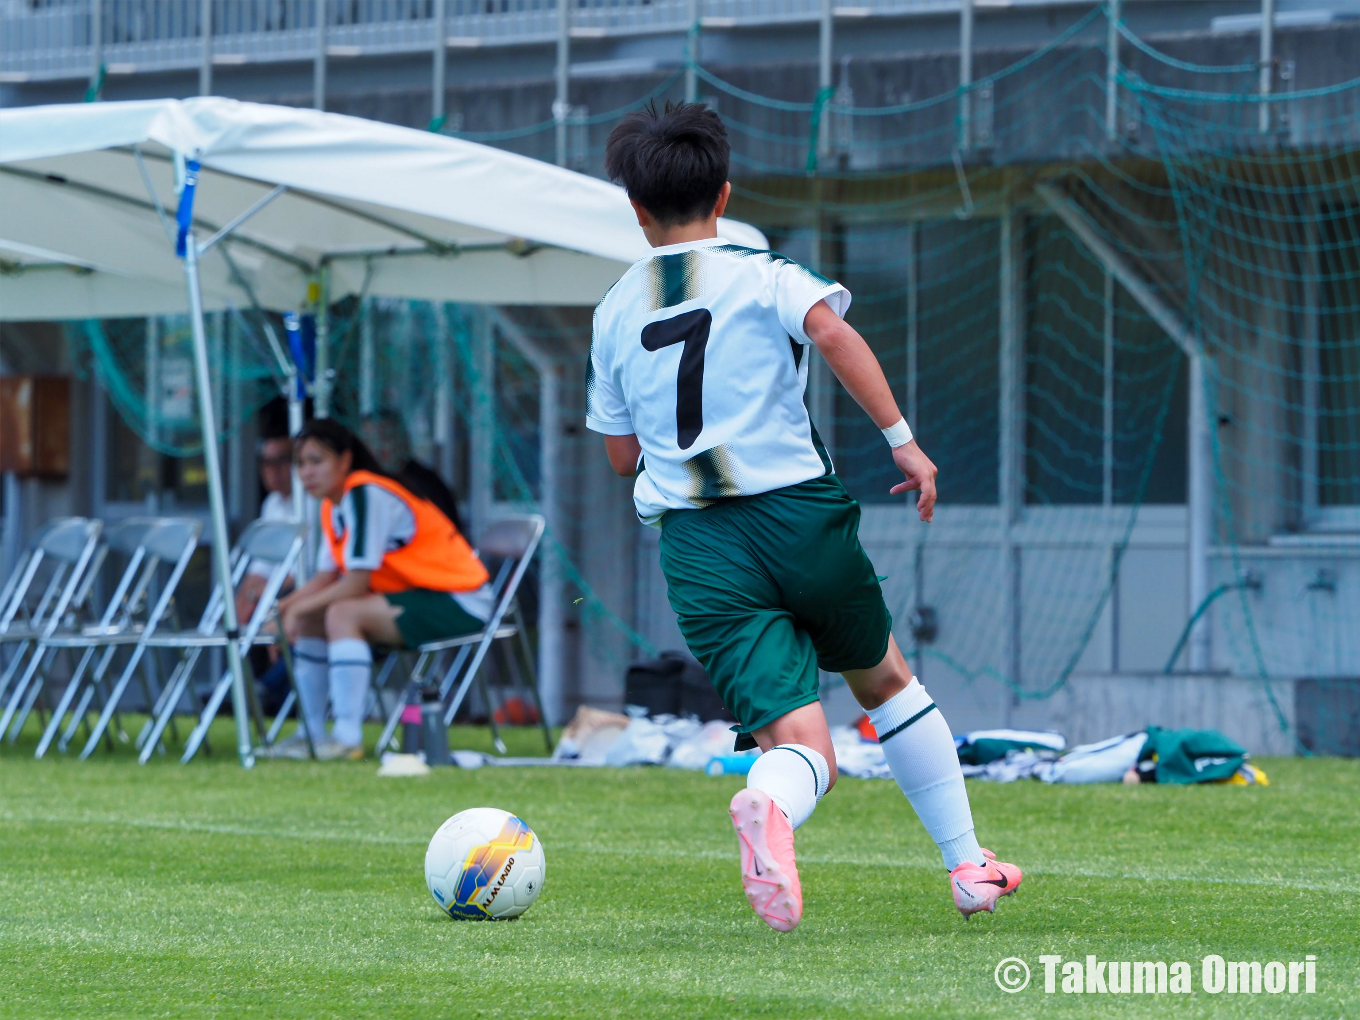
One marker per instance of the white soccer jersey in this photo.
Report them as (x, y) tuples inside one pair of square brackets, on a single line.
[(699, 350)]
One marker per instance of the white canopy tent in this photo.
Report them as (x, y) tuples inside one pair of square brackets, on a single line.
[(388, 210), (162, 206)]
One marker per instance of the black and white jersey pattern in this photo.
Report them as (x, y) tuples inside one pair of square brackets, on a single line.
[(700, 351)]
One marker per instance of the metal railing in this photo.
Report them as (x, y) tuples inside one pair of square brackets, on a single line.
[(54, 39)]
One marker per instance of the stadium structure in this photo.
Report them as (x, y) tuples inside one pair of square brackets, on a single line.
[(1109, 256)]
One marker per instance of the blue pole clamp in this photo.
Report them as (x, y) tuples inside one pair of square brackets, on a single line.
[(292, 325), (184, 215)]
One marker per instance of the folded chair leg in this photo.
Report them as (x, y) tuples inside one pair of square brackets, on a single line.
[(150, 682), (34, 691), (170, 698), (390, 727), (16, 699), (37, 695), (79, 717), (394, 716), (491, 707), (151, 699), (291, 699), (200, 733), (288, 702), (451, 677), (531, 675), (378, 681), (20, 654), (111, 706), (167, 700), (73, 687), (253, 703), (295, 693)]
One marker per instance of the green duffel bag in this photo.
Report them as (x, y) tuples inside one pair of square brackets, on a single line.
[(1192, 756)]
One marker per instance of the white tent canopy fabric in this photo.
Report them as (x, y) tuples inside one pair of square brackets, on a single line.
[(390, 211)]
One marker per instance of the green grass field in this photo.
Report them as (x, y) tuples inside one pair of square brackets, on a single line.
[(296, 890)]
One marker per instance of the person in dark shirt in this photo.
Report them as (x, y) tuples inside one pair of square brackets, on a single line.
[(385, 434)]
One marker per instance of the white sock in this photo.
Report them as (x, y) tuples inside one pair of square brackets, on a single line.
[(351, 665), (794, 776), (920, 752), (311, 668)]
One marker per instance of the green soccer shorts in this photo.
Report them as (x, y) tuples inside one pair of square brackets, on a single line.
[(769, 587), (428, 616)]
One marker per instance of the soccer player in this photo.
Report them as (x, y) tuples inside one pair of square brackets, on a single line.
[(393, 570), (697, 369)]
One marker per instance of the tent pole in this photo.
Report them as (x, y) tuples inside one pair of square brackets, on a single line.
[(220, 540), (297, 396), (295, 418), (321, 383)]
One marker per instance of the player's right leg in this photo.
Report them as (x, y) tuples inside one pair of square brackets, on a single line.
[(764, 668), (795, 770), (311, 672)]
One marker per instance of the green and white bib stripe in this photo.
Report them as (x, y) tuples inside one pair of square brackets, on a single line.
[(698, 350), (371, 522)]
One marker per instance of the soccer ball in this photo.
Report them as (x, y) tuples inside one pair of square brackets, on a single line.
[(484, 863)]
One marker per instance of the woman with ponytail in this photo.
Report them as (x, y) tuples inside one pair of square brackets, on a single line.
[(392, 570)]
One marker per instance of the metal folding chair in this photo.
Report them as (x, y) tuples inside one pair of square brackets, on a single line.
[(512, 541), (71, 546), (31, 591), (118, 625), (277, 545), (170, 541)]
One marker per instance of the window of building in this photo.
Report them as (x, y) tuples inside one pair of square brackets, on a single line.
[(1105, 391), (926, 300)]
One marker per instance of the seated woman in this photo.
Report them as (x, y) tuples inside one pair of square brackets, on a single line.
[(391, 570)]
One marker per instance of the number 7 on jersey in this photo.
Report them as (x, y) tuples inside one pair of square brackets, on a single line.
[(690, 329)]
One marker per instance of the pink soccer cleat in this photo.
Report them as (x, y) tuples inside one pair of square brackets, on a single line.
[(769, 874), (978, 887)]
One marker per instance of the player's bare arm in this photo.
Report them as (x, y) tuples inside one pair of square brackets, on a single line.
[(859, 372), (624, 452)]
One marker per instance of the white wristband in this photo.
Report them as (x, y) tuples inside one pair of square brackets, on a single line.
[(899, 434)]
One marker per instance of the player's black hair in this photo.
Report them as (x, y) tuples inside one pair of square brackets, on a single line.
[(273, 420), (673, 162), (338, 439)]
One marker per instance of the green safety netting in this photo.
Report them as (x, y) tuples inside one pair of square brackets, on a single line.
[(1003, 333)]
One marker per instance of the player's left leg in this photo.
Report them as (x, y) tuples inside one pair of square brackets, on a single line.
[(834, 593), (920, 752)]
